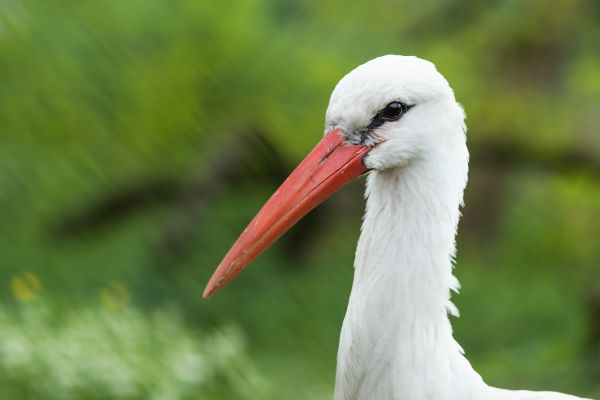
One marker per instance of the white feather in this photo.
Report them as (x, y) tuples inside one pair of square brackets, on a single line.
[(396, 340)]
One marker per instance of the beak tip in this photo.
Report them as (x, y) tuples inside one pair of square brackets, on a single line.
[(216, 282), (208, 291), (211, 288)]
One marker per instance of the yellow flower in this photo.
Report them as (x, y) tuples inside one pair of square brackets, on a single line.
[(114, 295), (25, 286)]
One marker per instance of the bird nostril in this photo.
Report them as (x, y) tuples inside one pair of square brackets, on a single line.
[(369, 138)]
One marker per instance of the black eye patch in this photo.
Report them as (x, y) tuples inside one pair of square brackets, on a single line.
[(392, 112)]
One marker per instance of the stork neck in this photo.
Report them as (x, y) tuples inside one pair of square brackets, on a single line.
[(396, 341), (407, 240)]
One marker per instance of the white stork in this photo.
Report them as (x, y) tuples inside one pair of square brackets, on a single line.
[(396, 118)]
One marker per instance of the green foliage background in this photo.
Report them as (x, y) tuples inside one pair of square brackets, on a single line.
[(105, 99)]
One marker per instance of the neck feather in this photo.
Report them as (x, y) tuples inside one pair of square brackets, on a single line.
[(396, 340)]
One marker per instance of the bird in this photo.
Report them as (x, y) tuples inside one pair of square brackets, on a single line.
[(395, 119)]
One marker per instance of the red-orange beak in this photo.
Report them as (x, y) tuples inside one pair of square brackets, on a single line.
[(328, 167)]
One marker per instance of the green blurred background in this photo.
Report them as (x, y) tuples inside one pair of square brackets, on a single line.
[(137, 138)]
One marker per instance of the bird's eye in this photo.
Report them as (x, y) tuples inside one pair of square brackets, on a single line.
[(394, 110)]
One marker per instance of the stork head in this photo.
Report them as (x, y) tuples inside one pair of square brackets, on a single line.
[(399, 105), (383, 114)]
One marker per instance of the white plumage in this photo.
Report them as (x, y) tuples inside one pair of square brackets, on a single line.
[(397, 118), (396, 341)]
